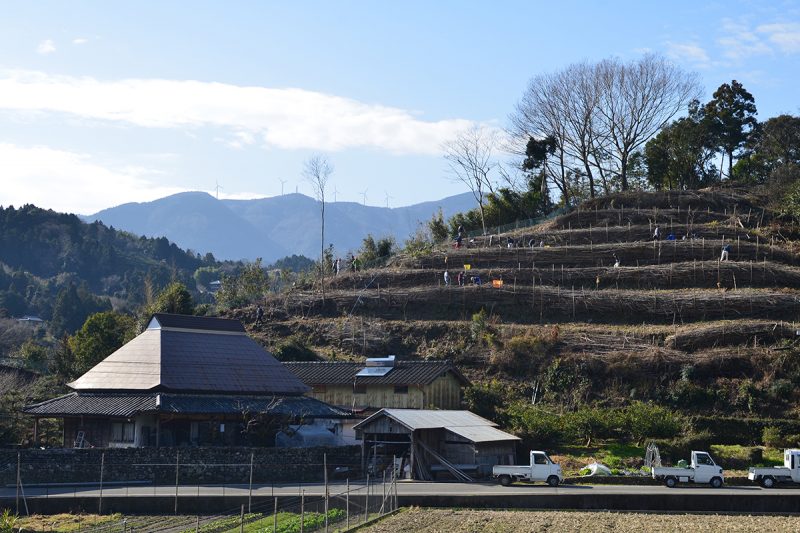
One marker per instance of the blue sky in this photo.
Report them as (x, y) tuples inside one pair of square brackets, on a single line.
[(107, 102)]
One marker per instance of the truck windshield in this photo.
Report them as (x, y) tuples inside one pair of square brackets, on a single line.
[(539, 459)]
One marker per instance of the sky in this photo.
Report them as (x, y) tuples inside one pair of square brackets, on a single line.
[(103, 103)]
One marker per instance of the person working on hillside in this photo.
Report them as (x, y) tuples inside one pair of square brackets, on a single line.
[(616, 261), (657, 233), (725, 250), (446, 278), (259, 315)]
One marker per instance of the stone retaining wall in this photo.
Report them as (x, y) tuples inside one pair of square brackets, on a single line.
[(195, 465)]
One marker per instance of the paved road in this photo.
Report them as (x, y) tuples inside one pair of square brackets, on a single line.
[(403, 488)]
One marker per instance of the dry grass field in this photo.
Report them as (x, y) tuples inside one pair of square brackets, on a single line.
[(474, 521)]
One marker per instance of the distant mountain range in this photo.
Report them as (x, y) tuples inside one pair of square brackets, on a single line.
[(270, 228)]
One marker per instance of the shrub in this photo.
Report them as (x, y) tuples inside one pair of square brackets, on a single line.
[(294, 349), (537, 428), (479, 324), (487, 399), (771, 437), (647, 420), (521, 353), (588, 423), (7, 521)]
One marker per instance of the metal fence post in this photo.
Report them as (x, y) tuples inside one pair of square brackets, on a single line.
[(325, 468), (19, 460), (250, 493), (102, 467), (275, 517), (302, 509), (347, 503), (366, 502), (241, 520), (177, 466)]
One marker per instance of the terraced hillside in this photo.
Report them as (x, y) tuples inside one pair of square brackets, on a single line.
[(672, 323)]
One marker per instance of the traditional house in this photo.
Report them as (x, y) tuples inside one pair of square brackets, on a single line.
[(383, 382), (431, 443), (185, 381)]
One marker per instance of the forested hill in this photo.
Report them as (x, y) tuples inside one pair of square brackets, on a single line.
[(43, 252)]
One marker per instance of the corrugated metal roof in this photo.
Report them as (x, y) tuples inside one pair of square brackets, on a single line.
[(205, 323), (344, 373), (429, 418), (465, 423), (128, 405), (481, 433), (197, 361)]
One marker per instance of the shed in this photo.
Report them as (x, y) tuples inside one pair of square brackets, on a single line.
[(433, 442)]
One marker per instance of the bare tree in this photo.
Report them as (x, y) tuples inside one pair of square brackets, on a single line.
[(470, 155), (638, 99), (599, 115), (317, 170)]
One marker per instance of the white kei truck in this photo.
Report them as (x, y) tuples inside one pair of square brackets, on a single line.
[(702, 469), (541, 468), (788, 473)]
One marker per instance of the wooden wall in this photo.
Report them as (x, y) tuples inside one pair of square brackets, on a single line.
[(442, 393)]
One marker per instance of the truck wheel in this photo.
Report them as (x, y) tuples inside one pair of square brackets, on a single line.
[(767, 482), (670, 482), (505, 480), (552, 481), (716, 482)]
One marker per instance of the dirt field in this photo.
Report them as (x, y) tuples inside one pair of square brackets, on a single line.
[(467, 521)]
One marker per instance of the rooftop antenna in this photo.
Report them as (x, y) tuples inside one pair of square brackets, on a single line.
[(335, 191), (283, 182), (218, 187), (364, 195), (388, 198), (296, 187)]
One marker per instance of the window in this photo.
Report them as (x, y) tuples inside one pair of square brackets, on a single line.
[(539, 459), (319, 388), (401, 389), (122, 431), (359, 389), (703, 459)]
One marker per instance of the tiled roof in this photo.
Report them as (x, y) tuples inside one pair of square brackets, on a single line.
[(128, 405), (207, 323), (123, 405), (344, 373), (191, 361)]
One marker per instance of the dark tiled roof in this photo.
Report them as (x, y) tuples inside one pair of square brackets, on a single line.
[(344, 373), (128, 405), (124, 405), (191, 361), (208, 323)]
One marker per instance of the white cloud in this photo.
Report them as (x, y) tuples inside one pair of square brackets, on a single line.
[(785, 36), (284, 118), (80, 40), (46, 47), (740, 41), (687, 52), (71, 182)]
